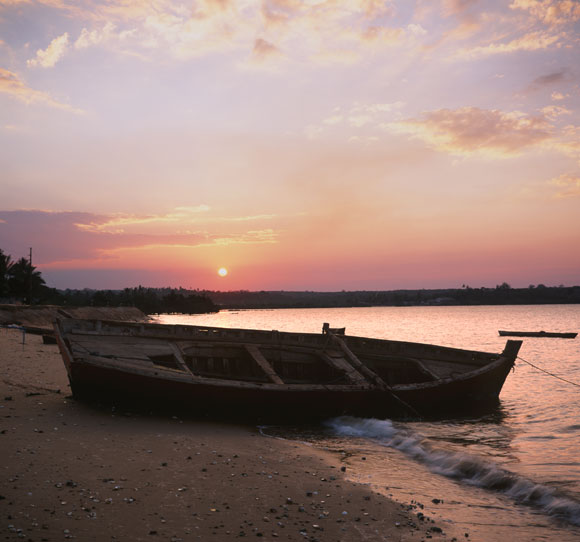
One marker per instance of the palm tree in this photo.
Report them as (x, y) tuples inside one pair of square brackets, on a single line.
[(24, 281), (5, 267)]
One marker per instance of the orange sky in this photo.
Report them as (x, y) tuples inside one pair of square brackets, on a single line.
[(317, 145)]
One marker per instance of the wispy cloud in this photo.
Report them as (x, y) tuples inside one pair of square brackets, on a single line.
[(372, 116), (127, 223), (98, 36), (554, 111), (247, 218), (252, 237), (470, 20), (264, 56), (550, 12), (381, 35), (549, 80), (312, 30), (328, 32), (471, 130), (12, 85), (48, 57), (568, 142), (263, 50), (532, 41), (79, 236), (51, 3), (568, 185)]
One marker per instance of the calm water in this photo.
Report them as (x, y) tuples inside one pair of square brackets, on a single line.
[(513, 473)]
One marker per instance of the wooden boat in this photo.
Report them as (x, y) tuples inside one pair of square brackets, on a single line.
[(537, 334), (274, 375)]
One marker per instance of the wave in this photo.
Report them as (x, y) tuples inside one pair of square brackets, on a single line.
[(459, 466)]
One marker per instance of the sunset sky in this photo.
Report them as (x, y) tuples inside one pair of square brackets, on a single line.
[(301, 145)]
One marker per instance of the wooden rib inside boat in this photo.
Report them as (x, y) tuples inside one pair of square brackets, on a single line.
[(274, 375)]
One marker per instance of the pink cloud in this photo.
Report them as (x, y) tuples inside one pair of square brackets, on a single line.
[(11, 84), (532, 41), (470, 130), (550, 12), (382, 35), (61, 237), (264, 49), (568, 186)]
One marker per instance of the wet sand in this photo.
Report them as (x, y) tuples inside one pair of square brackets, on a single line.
[(74, 471)]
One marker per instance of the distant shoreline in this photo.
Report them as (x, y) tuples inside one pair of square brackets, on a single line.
[(501, 295), (273, 308), (183, 301)]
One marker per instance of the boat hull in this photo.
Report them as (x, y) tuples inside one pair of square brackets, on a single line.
[(106, 382), (97, 384)]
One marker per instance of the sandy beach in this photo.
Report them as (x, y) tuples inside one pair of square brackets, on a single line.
[(74, 471)]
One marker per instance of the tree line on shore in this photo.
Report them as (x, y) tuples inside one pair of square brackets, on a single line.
[(147, 300), (20, 282), (502, 294)]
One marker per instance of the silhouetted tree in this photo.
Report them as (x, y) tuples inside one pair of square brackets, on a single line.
[(24, 282), (5, 267), (503, 286)]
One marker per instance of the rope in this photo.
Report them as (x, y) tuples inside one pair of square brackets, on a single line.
[(548, 373)]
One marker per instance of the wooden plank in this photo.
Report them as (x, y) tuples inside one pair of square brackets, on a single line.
[(179, 357), (425, 369), (263, 363), (339, 363), (373, 378), (370, 375)]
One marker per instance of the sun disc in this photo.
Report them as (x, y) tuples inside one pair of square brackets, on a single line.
[(222, 271)]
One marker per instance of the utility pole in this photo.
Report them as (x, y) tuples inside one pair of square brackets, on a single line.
[(30, 279)]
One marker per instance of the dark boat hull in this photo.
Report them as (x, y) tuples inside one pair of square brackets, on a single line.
[(452, 398), (106, 382), (199, 400)]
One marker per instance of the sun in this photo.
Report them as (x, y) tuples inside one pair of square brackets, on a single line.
[(222, 272)]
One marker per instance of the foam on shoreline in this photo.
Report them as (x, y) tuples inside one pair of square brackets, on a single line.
[(462, 467)]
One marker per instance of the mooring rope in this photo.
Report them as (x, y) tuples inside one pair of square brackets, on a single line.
[(548, 373)]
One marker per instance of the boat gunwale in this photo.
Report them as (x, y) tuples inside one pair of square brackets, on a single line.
[(318, 339)]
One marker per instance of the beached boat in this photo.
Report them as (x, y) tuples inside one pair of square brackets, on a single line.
[(537, 334), (274, 375)]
